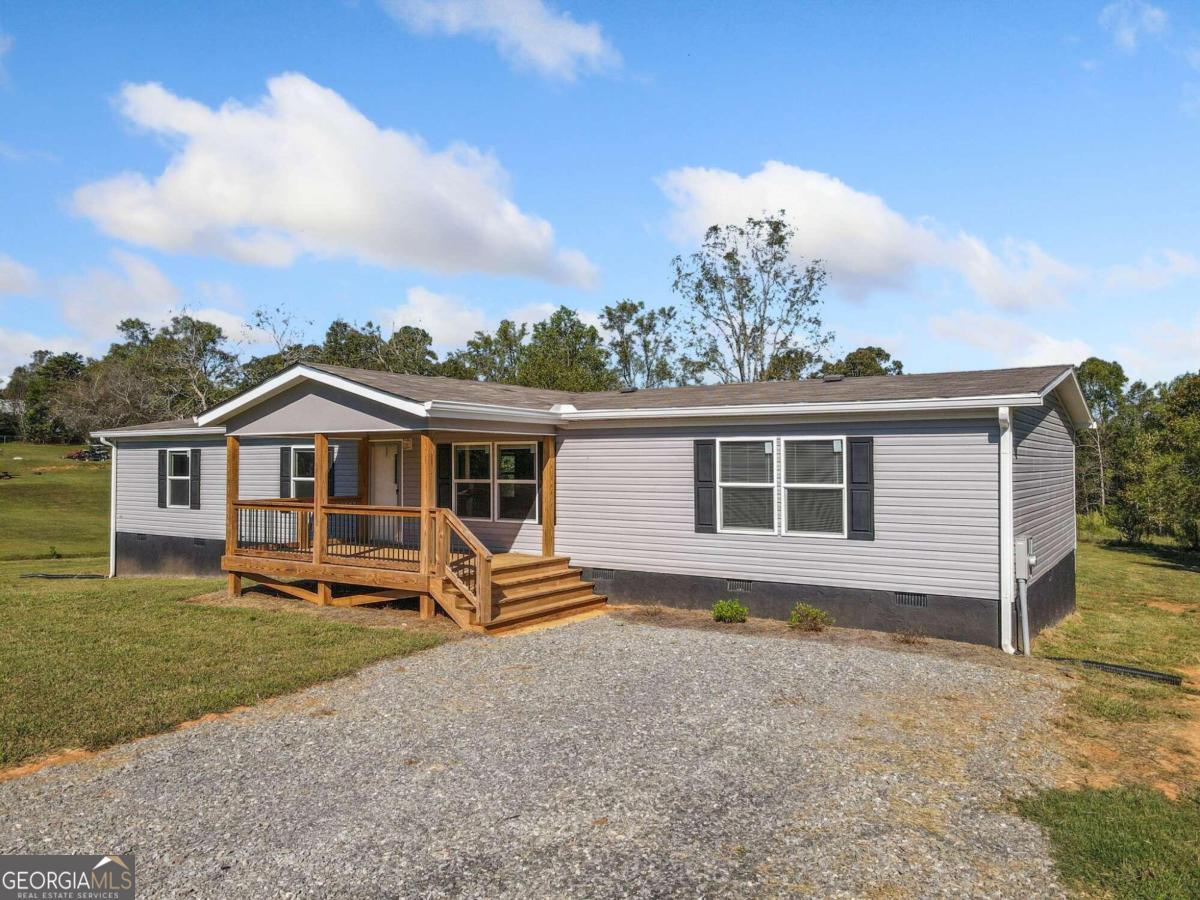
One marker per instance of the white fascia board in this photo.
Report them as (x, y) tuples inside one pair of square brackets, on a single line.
[(794, 409), (1076, 405), (157, 433), (462, 409), (285, 380)]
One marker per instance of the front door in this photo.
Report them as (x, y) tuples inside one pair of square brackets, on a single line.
[(385, 474)]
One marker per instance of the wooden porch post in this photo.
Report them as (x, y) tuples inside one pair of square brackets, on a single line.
[(320, 498), (428, 457), (233, 446), (364, 470), (549, 492)]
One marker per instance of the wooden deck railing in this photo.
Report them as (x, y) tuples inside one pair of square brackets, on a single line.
[(463, 560), (435, 542)]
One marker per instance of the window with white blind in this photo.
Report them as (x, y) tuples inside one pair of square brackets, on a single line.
[(746, 485), (179, 478), (814, 486)]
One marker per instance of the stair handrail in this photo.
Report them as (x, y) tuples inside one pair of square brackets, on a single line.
[(481, 596)]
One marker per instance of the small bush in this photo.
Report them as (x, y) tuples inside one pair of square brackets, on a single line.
[(54, 554), (729, 611), (809, 618)]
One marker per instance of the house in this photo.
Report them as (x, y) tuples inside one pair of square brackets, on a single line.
[(893, 502)]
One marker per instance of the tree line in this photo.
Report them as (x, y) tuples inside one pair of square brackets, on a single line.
[(746, 312)]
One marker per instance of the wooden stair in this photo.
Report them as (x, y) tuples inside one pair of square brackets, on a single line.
[(527, 590)]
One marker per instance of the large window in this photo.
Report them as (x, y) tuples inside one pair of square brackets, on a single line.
[(746, 483), (473, 480), (516, 481), (179, 478), (814, 486), (304, 472)]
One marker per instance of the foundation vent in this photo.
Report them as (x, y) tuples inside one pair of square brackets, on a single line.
[(197, 542), (736, 584), (603, 574), (917, 600), (139, 537)]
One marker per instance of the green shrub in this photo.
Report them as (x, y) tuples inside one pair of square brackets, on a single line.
[(809, 618), (729, 611)]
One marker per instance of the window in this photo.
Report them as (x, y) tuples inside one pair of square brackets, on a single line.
[(304, 472), (179, 478), (473, 481), (516, 481), (746, 484), (814, 486)]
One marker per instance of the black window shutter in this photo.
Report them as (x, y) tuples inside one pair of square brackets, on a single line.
[(537, 500), (862, 489), (704, 457), (445, 476), (332, 482), (162, 479), (285, 472), (194, 471)]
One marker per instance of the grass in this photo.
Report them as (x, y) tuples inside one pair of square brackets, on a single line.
[(1122, 842), (53, 506), (1138, 606), (87, 664)]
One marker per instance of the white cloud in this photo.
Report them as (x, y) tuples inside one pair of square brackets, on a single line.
[(864, 244), (1009, 343), (1163, 350), (527, 32), (304, 172), (449, 320), (14, 277), (95, 303), (17, 346), (1129, 21), (867, 246)]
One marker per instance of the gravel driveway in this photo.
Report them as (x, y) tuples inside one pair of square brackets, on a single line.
[(600, 759)]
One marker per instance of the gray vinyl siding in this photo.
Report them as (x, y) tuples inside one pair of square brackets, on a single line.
[(309, 407), (137, 483), (625, 501), (137, 490), (1044, 482)]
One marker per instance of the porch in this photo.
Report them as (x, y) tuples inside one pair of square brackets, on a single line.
[(346, 550)]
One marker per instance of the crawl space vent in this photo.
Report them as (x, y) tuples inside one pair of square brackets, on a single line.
[(603, 574), (918, 600), (734, 584)]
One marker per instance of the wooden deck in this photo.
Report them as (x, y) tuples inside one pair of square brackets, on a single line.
[(306, 547)]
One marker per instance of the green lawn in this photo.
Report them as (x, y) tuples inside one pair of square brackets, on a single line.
[(86, 664), (53, 506), (1139, 606)]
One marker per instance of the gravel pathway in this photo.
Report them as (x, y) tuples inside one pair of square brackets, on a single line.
[(601, 759)]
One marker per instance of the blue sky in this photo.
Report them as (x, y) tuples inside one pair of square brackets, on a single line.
[(989, 184)]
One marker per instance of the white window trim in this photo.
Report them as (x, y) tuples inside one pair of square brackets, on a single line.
[(537, 494), (799, 484), (455, 481), (292, 472), (773, 485), (187, 454)]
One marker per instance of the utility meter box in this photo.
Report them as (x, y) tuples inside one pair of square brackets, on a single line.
[(1024, 559)]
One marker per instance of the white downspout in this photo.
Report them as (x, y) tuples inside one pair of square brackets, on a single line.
[(1006, 530), (112, 510)]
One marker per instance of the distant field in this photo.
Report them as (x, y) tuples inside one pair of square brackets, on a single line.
[(53, 506)]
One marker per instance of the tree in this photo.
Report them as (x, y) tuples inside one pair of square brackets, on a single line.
[(643, 345), (1103, 384), (490, 357), (564, 354), (748, 304), (407, 351), (863, 362), (43, 379)]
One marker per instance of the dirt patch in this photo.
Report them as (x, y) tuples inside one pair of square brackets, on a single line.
[(1169, 606), (54, 759), (902, 642), (401, 614)]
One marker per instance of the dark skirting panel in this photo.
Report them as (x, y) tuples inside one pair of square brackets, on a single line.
[(161, 554), (1052, 597), (968, 619)]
